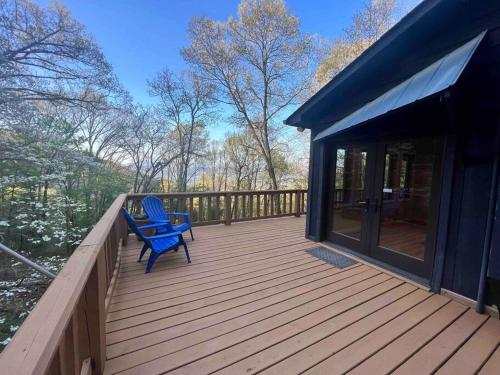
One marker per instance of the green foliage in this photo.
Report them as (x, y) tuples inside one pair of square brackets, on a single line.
[(51, 192)]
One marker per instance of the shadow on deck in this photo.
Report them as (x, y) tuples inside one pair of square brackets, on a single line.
[(253, 301)]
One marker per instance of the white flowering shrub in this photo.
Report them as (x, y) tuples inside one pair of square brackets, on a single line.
[(51, 194), (49, 223)]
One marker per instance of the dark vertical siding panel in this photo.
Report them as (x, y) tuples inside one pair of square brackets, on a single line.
[(469, 210), (317, 196), (448, 169), (494, 266), (310, 183)]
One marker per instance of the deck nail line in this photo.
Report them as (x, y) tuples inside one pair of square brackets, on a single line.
[(183, 265), (334, 332), (309, 282), (278, 326), (201, 290), (460, 346), (367, 333), (297, 256), (432, 337), (243, 295), (264, 307), (212, 295)]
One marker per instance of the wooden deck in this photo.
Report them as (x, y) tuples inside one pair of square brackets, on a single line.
[(253, 301)]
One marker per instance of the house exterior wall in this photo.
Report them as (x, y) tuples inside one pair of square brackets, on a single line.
[(471, 126)]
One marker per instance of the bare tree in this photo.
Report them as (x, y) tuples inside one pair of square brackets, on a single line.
[(259, 63), (245, 161), (187, 104), (100, 125), (47, 55), (148, 147), (217, 166)]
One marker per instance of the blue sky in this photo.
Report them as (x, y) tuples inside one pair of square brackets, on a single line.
[(140, 37)]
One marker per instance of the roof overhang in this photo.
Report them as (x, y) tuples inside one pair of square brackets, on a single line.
[(398, 36), (432, 80)]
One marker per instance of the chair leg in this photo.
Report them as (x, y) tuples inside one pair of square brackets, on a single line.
[(191, 231), (143, 251), (152, 259), (186, 249)]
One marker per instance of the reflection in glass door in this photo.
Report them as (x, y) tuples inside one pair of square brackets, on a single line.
[(382, 199), (406, 196), (350, 203)]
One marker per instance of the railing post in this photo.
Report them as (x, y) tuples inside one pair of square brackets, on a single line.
[(227, 209), (95, 294), (297, 203), (123, 227)]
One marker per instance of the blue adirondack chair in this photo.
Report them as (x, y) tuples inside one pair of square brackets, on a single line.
[(153, 207), (159, 244)]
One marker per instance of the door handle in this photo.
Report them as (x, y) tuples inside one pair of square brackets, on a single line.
[(365, 204)]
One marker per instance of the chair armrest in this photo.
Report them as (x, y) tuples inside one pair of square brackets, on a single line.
[(165, 235), (154, 225), (158, 221), (185, 214)]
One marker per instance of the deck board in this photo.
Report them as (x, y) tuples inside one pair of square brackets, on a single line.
[(253, 301)]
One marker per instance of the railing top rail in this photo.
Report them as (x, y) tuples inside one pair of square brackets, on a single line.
[(36, 341), (206, 193)]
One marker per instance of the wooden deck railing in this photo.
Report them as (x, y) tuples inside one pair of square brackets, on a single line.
[(65, 333), (207, 208)]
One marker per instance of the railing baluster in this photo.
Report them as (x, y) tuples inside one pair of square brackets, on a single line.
[(200, 209), (95, 299), (64, 353), (297, 203), (75, 335), (209, 207), (235, 208), (243, 206), (227, 208), (217, 209), (191, 209), (55, 365)]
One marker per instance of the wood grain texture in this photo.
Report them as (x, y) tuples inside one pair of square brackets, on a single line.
[(253, 301)]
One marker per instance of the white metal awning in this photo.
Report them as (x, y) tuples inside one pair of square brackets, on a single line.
[(437, 77)]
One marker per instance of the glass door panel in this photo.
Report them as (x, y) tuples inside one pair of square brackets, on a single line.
[(349, 200), (406, 196)]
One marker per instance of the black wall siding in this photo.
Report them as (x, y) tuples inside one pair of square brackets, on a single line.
[(466, 241), (477, 121), (317, 169), (494, 265)]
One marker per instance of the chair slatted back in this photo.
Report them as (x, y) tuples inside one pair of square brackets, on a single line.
[(153, 207), (132, 225)]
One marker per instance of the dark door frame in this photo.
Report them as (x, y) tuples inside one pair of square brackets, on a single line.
[(367, 246)]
